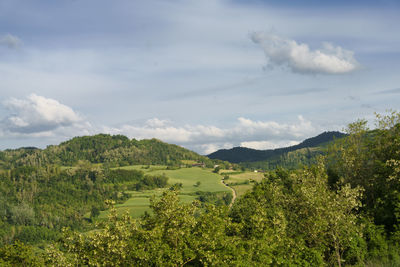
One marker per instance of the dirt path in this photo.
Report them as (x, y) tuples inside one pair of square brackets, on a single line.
[(233, 192)]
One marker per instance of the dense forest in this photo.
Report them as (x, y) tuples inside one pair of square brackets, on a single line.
[(111, 150), (344, 210), (42, 191), (37, 202), (288, 160)]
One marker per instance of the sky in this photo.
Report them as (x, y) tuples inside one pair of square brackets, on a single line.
[(205, 75)]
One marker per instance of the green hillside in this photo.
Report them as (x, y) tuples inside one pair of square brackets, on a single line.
[(290, 160), (341, 211), (112, 150), (66, 185)]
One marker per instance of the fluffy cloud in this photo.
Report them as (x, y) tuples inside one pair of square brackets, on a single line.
[(38, 115), (273, 130), (300, 58), (165, 131), (10, 41)]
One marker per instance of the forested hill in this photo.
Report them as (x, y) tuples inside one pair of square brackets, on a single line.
[(243, 154), (113, 150)]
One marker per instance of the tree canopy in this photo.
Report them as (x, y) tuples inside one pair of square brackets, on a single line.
[(344, 210)]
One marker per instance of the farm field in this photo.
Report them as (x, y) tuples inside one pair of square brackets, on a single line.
[(144, 168), (209, 182), (188, 177), (245, 176), (242, 182), (241, 189)]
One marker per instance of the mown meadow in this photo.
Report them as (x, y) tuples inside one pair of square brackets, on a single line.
[(189, 180)]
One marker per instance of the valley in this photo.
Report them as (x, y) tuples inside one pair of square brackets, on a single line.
[(192, 181), (106, 199)]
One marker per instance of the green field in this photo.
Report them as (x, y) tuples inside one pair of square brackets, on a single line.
[(209, 182), (245, 176), (242, 189), (144, 168), (140, 200), (242, 182)]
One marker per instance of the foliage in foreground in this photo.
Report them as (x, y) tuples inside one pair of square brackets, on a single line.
[(343, 211), (371, 160), (296, 219), (290, 218), (176, 234)]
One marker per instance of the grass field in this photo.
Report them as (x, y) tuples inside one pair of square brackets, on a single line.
[(241, 182), (188, 162), (144, 168), (209, 182), (242, 189), (140, 200), (246, 176)]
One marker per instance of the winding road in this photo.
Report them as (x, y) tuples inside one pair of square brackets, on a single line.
[(233, 193)]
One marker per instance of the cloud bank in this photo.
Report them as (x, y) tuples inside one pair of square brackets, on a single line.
[(299, 58), (37, 117), (262, 145), (10, 41), (37, 114), (207, 138)]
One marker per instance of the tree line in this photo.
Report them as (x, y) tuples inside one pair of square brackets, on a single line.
[(342, 211), (37, 202)]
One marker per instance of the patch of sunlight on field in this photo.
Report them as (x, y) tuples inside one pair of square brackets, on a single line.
[(139, 202), (243, 182), (144, 168), (246, 176), (242, 189), (209, 182)]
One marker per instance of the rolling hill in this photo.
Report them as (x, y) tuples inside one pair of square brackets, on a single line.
[(113, 150)]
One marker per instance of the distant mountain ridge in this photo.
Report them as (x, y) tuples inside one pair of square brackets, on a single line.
[(244, 154)]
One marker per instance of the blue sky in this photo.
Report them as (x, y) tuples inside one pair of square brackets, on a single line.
[(201, 74)]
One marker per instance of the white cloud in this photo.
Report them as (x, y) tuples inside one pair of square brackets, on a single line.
[(38, 115), (262, 145), (210, 148), (167, 134), (156, 128), (10, 41), (207, 139), (299, 58), (273, 130), (155, 122)]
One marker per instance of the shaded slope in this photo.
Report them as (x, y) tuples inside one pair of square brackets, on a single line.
[(243, 154)]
